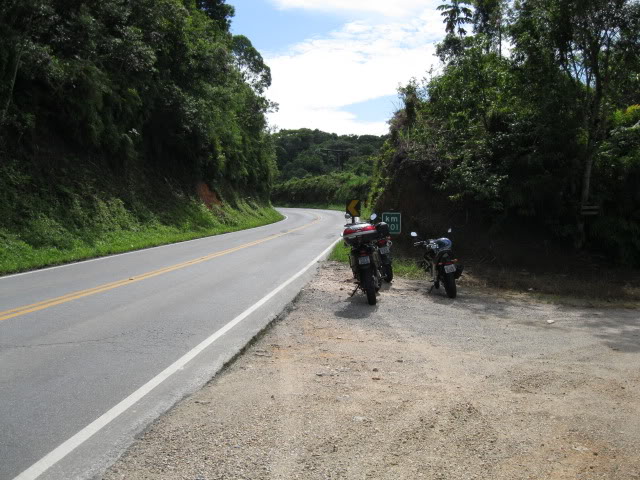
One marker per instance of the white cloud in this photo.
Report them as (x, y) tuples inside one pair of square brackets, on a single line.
[(327, 120), (394, 8), (316, 80)]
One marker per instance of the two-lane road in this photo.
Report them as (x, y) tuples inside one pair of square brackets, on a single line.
[(91, 353)]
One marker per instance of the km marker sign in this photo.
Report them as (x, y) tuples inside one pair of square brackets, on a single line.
[(394, 220)]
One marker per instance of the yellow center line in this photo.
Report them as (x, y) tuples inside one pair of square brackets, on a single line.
[(35, 307)]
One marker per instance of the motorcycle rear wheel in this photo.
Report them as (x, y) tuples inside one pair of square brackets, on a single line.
[(369, 284), (449, 282), (387, 273)]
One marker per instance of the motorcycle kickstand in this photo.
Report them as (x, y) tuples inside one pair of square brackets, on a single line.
[(354, 292), (432, 286)]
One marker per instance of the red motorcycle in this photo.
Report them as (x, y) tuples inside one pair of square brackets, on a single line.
[(365, 257)]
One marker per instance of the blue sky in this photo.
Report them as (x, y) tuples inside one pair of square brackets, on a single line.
[(337, 64), (272, 30)]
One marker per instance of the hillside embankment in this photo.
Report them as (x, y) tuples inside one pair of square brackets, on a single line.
[(419, 386), (75, 212), (112, 116)]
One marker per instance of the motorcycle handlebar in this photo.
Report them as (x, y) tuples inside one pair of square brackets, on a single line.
[(423, 243)]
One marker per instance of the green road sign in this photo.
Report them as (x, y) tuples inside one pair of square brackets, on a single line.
[(394, 220)]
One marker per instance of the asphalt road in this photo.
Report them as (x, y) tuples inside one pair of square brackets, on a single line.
[(91, 353)]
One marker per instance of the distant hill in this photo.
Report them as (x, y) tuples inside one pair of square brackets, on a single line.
[(320, 168), (305, 152)]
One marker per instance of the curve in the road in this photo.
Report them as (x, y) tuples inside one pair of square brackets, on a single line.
[(44, 304), (60, 452)]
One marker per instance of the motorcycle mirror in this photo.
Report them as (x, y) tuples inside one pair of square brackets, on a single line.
[(347, 216), (449, 231), (373, 216), (414, 234)]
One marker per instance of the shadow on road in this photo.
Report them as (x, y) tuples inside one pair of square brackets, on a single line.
[(357, 308), (619, 330)]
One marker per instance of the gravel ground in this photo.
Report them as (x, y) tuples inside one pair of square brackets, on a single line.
[(419, 386)]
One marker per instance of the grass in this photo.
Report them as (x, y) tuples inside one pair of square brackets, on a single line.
[(340, 253), (322, 206), (402, 267), (48, 243)]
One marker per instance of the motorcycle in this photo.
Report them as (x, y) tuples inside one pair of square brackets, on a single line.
[(384, 247), (440, 263), (364, 258)]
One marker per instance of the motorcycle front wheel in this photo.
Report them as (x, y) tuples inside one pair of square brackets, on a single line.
[(449, 282), (369, 285)]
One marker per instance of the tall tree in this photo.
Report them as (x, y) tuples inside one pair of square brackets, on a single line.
[(582, 38), (456, 15), (488, 20)]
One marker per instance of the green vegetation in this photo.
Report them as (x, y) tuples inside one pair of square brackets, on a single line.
[(340, 253), (321, 206), (115, 230), (319, 168), (510, 147), (301, 153), (335, 188), (120, 120)]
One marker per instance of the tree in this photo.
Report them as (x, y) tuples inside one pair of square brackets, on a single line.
[(456, 16), (488, 20), (218, 11), (250, 63), (582, 38)]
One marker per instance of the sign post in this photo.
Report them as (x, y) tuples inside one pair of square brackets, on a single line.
[(394, 220)]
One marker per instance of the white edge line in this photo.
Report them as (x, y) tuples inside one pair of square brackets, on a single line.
[(53, 457), (106, 257)]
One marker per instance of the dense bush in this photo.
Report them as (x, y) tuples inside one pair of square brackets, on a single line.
[(112, 112), (331, 189), (528, 138), (306, 152), (160, 84)]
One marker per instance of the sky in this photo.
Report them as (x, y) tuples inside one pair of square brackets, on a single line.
[(336, 65)]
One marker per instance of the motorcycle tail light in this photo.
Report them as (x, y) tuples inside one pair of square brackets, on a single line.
[(350, 231), (450, 262)]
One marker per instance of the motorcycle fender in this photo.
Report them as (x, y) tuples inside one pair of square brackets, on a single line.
[(441, 256), (459, 270)]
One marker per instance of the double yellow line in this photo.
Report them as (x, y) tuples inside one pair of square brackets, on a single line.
[(35, 307)]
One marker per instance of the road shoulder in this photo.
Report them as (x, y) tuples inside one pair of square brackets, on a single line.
[(419, 386)]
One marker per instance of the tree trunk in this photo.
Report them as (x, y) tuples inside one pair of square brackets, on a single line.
[(14, 75)]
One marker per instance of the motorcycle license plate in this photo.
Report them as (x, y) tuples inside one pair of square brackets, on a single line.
[(449, 269), (384, 250), (364, 260)]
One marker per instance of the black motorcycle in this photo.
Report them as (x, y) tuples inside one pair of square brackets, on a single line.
[(440, 264), (384, 247), (364, 257)]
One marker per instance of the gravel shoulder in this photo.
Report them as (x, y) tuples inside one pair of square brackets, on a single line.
[(419, 386)]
